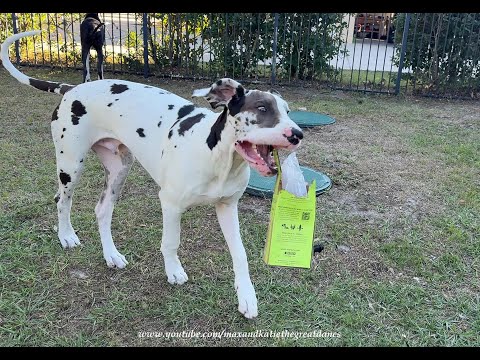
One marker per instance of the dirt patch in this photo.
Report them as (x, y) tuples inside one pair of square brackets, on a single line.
[(372, 169)]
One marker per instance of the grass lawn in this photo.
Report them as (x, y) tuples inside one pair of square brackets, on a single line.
[(400, 227)]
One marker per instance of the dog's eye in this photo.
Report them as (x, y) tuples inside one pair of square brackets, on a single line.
[(262, 108)]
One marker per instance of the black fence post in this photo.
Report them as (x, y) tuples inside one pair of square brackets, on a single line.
[(402, 53), (15, 31), (274, 55), (146, 69)]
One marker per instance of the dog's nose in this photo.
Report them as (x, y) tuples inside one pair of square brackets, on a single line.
[(293, 135), (297, 133)]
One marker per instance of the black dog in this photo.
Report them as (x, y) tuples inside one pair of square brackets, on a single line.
[(92, 34)]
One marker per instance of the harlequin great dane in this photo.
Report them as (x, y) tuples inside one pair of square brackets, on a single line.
[(195, 155)]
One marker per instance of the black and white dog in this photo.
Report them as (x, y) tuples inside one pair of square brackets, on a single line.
[(92, 34), (195, 155)]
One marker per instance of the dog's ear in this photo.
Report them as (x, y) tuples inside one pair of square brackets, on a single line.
[(273, 91), (220, 93)]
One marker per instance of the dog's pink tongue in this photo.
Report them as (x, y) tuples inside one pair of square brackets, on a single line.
[(254, 160), (263, 169)]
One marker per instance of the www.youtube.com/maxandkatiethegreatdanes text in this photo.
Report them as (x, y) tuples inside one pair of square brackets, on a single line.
[(238, 334)]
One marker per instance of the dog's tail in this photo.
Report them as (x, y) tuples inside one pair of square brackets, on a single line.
[(49, 86), (98, 27)]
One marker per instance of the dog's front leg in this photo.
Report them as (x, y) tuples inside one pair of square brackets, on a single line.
[(170, 242), (228, 218)]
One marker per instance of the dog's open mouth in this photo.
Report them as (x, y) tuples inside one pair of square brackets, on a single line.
[(259, 157)]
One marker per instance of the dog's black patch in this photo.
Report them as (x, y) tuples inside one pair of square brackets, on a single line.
[(185, 110), (159, 123), (64, 178), (49, 86), (61, 152), (162, 153), (116, 99), (118, 88), (216, 130), (175, 123), (55, 113), (78, 110), (240, 91), (237, 101), (189, 122), (64, 129), (44, 85), (61, 137), (170, 133), (219, 82), (57, 198), (81, 160), (170, 107), (175, 146), (140, 132), (110, 104)]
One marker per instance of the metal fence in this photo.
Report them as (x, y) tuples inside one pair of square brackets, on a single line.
[(442, 54), (428, 54)]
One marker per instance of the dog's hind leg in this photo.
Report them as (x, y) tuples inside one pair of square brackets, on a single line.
[(117, 161), (227, 214), (171, 215), (69, 170), (86, 64), (100, 59)]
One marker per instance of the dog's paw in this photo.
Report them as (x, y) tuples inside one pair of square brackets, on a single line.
[(69, 240), (247, 300), (176, 274), (115, 259)]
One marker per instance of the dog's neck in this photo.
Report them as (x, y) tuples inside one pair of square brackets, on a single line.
[(229, 163)]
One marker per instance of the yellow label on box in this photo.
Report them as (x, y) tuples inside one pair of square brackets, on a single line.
[(291, 227)]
